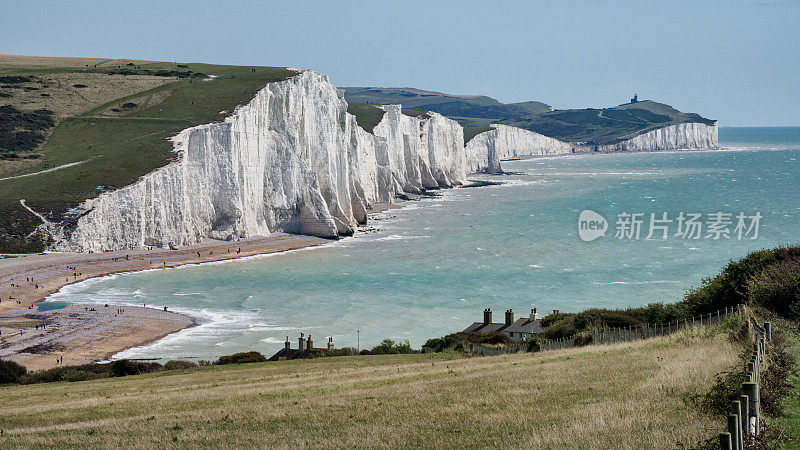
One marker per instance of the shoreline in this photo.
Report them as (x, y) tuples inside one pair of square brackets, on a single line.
[(81, 338), (27, 280)]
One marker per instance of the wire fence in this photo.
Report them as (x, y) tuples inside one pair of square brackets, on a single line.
[(632, 333), (745, 414)]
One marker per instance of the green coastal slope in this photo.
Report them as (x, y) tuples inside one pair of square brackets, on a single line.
[(607, 125), (118, 131)]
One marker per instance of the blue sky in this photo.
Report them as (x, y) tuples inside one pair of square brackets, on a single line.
[(736, 61)]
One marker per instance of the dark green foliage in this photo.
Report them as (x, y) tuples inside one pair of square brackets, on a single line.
[(129, 105), (731, 286), (532, 345), (390, 347), (15, 79), (561, 328), (179, 365), (367, 116), (777, 288), (582, 338), (79, 85), (440, 344), (471, 132), (21, 131), (72, 373), (241, 358), (774, 383), (10, 372), (124, 367)]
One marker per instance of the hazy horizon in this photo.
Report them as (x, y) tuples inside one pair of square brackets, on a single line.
[(729, 61)]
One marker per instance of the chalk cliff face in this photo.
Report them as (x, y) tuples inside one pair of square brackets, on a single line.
[(683, 136), (292, 159), (487, 149)]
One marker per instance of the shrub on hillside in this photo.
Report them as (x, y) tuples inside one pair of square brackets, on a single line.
[(582, 338), (532, 345), (124, 367), (72, 373), (561, 328), (441, 344), (775, 384), (241, 358), (729, 288), (777, 288), (390, 347), (179, 365), (10, 372)]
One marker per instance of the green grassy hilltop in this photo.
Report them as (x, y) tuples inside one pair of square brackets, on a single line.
[(607, 125), (101, 124)]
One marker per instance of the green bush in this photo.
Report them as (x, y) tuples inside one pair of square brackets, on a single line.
[(241, 358), (561, 328), (125, 367), (777, 288), (11, 372), (390, 347), (179, 365), (582, 338), (532, 345), (730, 287)]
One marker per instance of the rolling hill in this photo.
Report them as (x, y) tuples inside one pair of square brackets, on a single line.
[(467, 109), (607, 125)]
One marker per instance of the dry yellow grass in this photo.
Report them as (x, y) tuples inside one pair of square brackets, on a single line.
[(66, 100), (28, 61), (632, 395)]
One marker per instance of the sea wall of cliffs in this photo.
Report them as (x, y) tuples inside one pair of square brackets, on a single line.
[(683, 136), (294, 160), (290, 160)]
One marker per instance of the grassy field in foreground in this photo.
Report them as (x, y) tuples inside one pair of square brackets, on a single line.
[(631, 395)]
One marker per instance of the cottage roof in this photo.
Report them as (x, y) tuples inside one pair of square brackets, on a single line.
[(522, 325)]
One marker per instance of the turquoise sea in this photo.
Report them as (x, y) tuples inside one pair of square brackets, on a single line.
[(434, 265)]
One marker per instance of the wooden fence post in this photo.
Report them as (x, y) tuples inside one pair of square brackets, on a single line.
[(732, 425), (736, 437), (745, 404), (768, 330), (751, 390), (725, 442)]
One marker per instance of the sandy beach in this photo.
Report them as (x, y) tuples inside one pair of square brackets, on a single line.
[(82, 336)]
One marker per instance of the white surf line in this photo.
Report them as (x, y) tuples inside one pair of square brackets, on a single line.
[(63, 166)]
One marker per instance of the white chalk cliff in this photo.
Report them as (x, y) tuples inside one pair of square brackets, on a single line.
[(683, 136), (487, 149), (294, 160)]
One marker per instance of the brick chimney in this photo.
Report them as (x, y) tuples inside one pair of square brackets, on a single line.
[(509, 317), (301, 342), (309, 343), (286, 344), (330, 343), (487, 316)]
